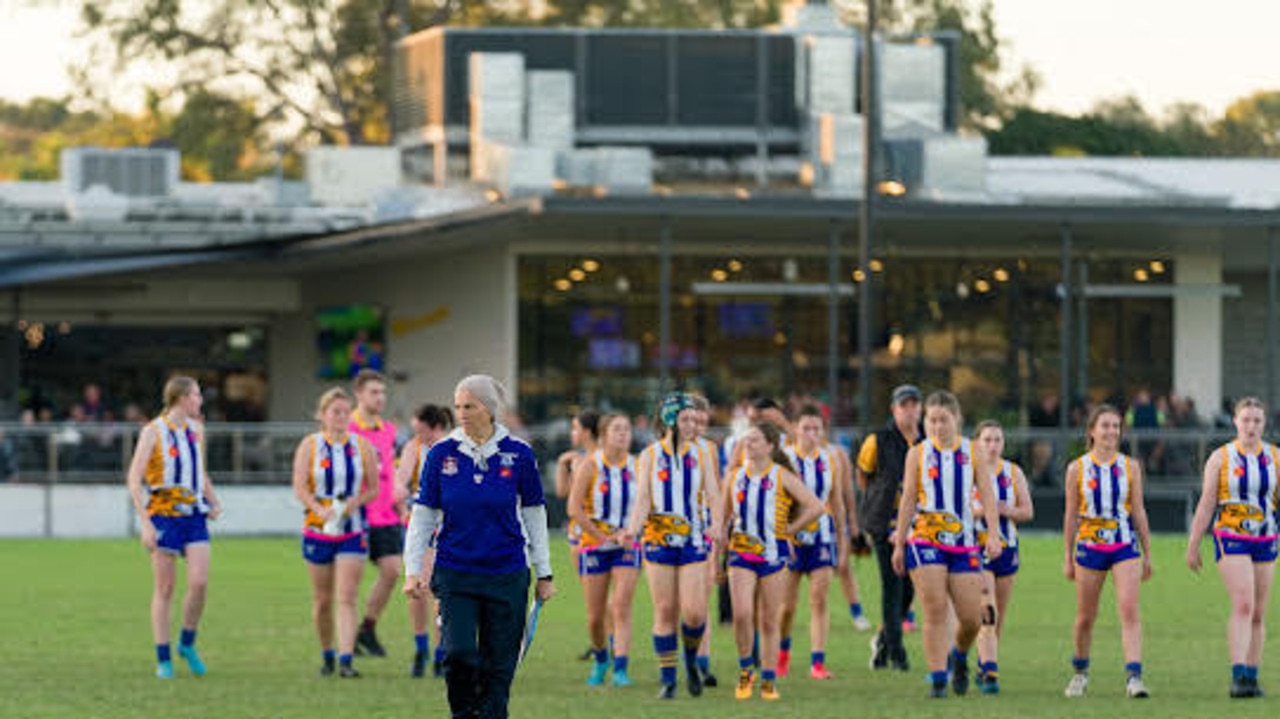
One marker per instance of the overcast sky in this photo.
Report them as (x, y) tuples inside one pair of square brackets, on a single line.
[(1163, 51)]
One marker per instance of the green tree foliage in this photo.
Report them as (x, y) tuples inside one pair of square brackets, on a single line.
[(987, 98), (1122, 126), (219, 137), (1251, 126), (313, 64)]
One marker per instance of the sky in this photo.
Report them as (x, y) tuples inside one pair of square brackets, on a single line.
[(1162, 51)]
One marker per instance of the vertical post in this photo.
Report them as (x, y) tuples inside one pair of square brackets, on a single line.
[(1273, 296), (664, 307), (1064, 332), (13, 358), (870, 144), (833, 316), (1082, 330)]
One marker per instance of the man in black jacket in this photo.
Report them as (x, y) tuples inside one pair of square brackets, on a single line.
[(879, 471)]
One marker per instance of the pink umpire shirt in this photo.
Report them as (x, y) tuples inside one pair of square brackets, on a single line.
[(381, 512)]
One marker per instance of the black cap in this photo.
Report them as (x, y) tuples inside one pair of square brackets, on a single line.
[(904, 392)]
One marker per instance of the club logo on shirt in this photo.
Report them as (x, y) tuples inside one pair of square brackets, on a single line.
[(507, 459), (961, 458), (505, 473), (449, 466)]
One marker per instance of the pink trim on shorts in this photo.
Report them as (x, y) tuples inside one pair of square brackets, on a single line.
[(322, 537), (943, 547), (1113, 547), (1228, 535)]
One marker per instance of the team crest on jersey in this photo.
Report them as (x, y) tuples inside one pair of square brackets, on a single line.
[(1004, 481), (507, 459), (450, 466), (961, 458)]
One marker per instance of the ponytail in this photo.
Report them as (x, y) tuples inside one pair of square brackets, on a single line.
[(773, 436)]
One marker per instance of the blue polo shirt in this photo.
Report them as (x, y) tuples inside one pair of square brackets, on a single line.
[(481, 530)]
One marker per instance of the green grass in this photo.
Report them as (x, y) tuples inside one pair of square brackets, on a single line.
[(75, 638)]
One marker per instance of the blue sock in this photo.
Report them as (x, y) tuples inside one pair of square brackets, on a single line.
[(817, 658), (439, 652), (1251, 672), (959, 658), (1133, 669), (855, 609), (328, 655), (1239, 671), (620, 664), (1080, 664), (990, 668), (600, 655), (692, 637), (768, 675), (421, 643), (939, 679), (704, 663), (785, 644), (162, 653), (665, 646), (344, 660), (746, 663), (188, 638), (910, 616)]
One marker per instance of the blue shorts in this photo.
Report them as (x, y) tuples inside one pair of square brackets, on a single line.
[(324, 551), (674, 556), (1101, 560), (927, 555), (603, 561), (1260, 551), (759, 565), (1006, 565), (173, 534), (806, 558)]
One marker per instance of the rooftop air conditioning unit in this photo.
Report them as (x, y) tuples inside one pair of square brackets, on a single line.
[(129, 172)]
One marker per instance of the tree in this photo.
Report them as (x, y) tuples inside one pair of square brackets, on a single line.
[(1251, 126), (986, 99), (314, 64)]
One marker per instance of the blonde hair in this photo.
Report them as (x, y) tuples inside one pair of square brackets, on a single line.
[(331, 395), (1095, 414), (1249, 403), (177, 388)]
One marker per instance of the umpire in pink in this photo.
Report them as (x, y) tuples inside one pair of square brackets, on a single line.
[(480, 487), (381, 516)]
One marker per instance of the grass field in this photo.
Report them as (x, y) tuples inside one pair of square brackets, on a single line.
[(73, 627)]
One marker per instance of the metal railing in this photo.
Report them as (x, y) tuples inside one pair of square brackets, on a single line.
[(262, 453)]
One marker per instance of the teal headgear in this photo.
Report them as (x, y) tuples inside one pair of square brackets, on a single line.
[(671, 407)]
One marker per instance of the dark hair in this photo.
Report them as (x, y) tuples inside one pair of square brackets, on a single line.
[(589, 419), (434, 415), (1094, 415), (773, 435), (766, 403), (365, 376)]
